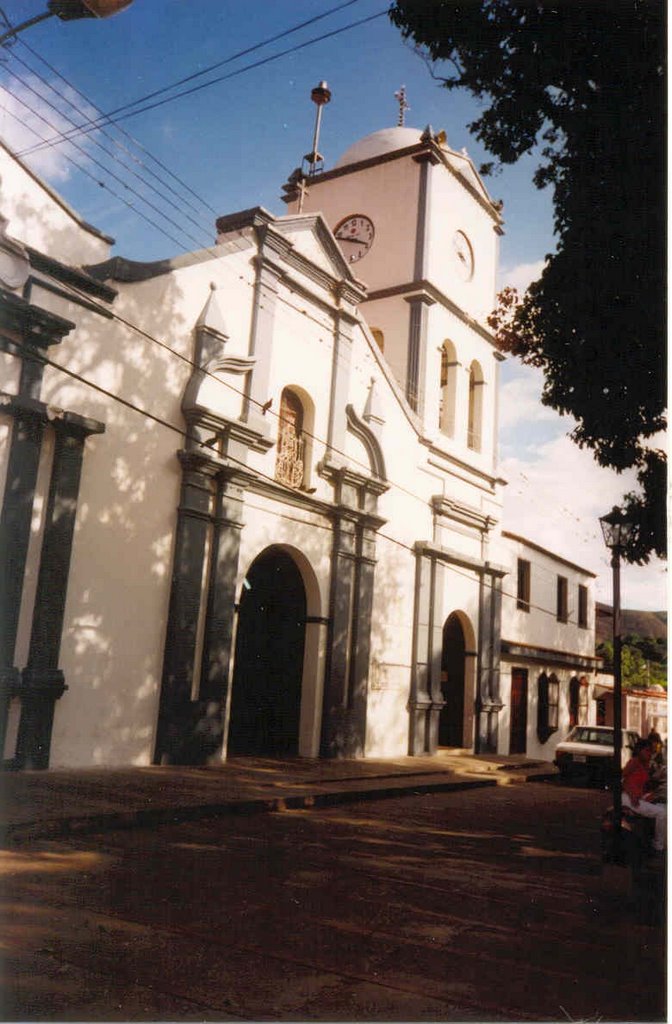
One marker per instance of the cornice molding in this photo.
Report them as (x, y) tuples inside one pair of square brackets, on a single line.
[(548, 655), (450, 557), (466, 515), (37, 327), (424, 290), (70, 275), (60, 419)]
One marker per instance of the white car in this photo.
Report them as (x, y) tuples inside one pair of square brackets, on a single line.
[(588, 753)]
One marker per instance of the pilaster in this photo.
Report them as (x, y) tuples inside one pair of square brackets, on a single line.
[(488, 703), (42, 681), (261, 341), (194, 516), (416, 365), (351, 606)]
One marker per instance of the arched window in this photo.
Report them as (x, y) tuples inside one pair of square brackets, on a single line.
[(475, 421), (289, 466), (548, 692), (448, 391), (379, 338)]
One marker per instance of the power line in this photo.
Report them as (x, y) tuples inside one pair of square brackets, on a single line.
[(314, 437), (242, 394), (132, 406), (122, 113), (135, 142), (96, 143), (99, 182)]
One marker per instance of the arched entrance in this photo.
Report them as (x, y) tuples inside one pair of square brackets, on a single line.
[(266, 692), (451, 718)]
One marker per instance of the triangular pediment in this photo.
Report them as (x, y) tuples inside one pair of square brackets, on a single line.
[(310, 236), (463, 165)]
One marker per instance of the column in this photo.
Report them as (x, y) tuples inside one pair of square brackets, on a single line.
[(193, 523), (334, 742), (416, 364), (219, 623), (361, 639), (420, 704), (15, 523), (435, 653), (488, 704), (340, 380), (261, 343), (42, 681)]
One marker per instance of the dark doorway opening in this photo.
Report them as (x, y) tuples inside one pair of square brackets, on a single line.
[(451, 718), (266, 693), (518, 729)]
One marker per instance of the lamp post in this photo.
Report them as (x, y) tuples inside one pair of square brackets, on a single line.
[(617, 529), (70, 10)]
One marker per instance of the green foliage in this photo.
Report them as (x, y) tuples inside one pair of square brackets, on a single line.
[(582, 86), (643, 661)]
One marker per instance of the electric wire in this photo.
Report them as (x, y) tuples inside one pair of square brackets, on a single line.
[(318, 440), (114, 116), (88, 156), (107, 188), (211, 67), (263, 405), (259, 474), (122, 131)]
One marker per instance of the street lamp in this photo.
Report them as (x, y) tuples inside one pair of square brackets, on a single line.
[(70, 10), (617, 529)]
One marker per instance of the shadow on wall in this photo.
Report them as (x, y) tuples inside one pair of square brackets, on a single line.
[(118, 590)]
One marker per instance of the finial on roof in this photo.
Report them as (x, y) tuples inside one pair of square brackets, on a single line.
[(428, 134), (320, 95), (400, 97)]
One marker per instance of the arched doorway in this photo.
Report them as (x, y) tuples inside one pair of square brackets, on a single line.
[(451, 719), (266, 692)]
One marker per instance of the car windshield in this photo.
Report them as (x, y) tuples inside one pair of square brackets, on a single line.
[(585, 734)]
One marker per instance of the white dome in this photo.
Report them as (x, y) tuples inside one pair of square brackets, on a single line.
[(387, 140)]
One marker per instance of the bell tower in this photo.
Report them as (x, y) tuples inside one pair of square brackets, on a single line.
[(415, 220)]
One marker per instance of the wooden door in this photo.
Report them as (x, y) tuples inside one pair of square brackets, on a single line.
[(518, 728)]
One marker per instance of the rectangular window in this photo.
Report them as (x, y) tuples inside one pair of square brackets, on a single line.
[(583, 607), (562, 599), (523, 585)]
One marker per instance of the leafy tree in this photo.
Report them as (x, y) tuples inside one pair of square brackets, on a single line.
[(638, 671), (581, 85)]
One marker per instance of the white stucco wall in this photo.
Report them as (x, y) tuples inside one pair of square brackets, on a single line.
[(119, 586), (39, 218)]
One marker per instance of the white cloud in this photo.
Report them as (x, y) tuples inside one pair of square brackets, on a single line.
[(520, 276), (520, 401), (34, 111), (555, 499)]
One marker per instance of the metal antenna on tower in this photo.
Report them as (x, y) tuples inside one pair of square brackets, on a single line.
[(320, 96), (400, 96)]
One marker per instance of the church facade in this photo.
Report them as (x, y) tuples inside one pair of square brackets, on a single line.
[(250, 494)]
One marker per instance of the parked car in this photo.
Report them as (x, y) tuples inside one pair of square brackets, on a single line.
[(588, 753)]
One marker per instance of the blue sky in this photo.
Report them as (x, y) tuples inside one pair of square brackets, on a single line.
[(235, 142)]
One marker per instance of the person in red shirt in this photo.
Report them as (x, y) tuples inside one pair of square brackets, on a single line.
[(637, 788)]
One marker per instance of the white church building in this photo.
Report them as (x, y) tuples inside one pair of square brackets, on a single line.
[(250, 495)]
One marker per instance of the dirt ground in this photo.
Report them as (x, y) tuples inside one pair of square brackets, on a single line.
[(479, 905)]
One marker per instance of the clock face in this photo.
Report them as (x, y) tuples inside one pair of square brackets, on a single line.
[(462, 255), (355, 235)]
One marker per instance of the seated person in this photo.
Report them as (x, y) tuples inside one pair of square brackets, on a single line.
[(636, 790)]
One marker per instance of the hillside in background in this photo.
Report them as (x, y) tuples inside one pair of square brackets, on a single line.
[(651, 625)]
